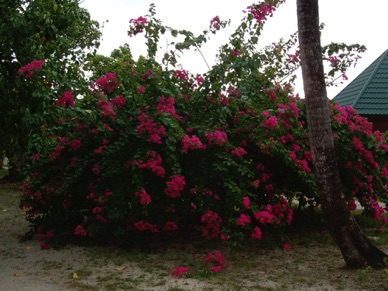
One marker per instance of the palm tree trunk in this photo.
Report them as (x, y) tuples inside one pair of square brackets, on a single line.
[(357, 250)]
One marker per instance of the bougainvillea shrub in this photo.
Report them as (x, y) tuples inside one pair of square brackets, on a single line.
[(151, 148)]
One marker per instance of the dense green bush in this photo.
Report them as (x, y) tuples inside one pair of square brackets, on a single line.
[(150, 149)]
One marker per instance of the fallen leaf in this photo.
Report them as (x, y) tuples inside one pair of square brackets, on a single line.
[(386, 270), (75, 276), (16, 274), (120, 268)]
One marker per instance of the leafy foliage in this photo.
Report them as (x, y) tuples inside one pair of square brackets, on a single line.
[(57, 32)]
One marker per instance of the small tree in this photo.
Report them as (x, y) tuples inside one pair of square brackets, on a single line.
[(59, 33)]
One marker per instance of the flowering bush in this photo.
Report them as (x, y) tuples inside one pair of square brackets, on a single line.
[(152, 150)]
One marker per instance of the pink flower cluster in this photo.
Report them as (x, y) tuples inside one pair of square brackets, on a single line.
[(239, 152), (181, 272), (192, 143), (215, 23), (347, 115), (76, 144), (137, 25), (217, 137), (44, 238), (175, 186), (246, 202), (271, 121), (261, 11), (66, 100), (378, 211), (216, 260), (212, 225), (301, 163), (153, 163), (257, 233), (363, 152), (119, 101), (149, 127), (109, 82), (30, 69), (352, 204), (243, 220), (107, 109), (57, 152), (79, 230), (170, 226), (182, 75), (167, 105), (142, 225), (145, 198)]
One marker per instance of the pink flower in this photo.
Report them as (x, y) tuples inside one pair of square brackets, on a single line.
[(225, 237), (264, 217), (256, 233), (147, 75), (170, 226), (154, 164), (79, 230), (192, 143), (66, 100), (182, 75), (175, 186), (145, 198), (96, 169), (167, 105), (246, 202), (200, 79), (57, 153), (140, 89), (97, 209), (212, 224), (215, 23), (287, 246), (216, 269), (107, 109), (119, 101), (143, 226), (75, 144), (239, 152), (261, 11), (30, 69), (270, 123), (137, 25), (109, 82), (180, 272), (217, 137), (352, 204), (243, 220), (217, 260), (149, 127)]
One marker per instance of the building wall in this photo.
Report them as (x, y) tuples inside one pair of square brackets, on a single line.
[(379, 122)]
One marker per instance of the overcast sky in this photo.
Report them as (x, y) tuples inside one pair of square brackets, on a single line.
[(348, 21)]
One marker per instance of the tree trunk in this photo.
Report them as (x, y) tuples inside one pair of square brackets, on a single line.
[(357, 250)]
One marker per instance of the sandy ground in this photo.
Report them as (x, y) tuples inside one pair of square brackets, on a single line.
[(25, 267)]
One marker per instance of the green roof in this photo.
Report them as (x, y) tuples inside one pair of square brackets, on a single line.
[(368, 92)]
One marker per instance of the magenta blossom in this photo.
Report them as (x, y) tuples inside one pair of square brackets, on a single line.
[(181, 272), (30, 69), (66, 100)]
